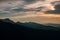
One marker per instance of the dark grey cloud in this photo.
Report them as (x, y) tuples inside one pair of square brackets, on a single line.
[(16, 8), (3, 13), (56, 11), (7, 8), (32, 1), (29, 1), (19, 7), (57, 7), (7, 14)]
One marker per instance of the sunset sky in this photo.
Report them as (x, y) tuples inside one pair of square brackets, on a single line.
[(17, 10)]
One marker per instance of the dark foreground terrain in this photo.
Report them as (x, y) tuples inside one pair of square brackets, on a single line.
[(10, 29)]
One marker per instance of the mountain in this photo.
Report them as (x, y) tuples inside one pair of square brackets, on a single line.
[(55, 25), (37, 26), (10, 29)]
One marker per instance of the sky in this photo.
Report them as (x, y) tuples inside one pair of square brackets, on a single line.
[(22, 11)]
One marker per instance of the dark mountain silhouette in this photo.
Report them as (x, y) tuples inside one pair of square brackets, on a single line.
[(55, 25), (10, 29), (37, 26)]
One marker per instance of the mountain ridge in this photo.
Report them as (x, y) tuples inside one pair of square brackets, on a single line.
[(10, 29)]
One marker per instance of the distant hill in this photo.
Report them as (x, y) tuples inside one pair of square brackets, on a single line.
[(10, 29), (55, 25), (28, 24)]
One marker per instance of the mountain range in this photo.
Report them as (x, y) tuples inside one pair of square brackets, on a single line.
[(10, 29)]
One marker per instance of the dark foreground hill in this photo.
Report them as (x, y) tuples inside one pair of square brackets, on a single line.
[(10, 29)]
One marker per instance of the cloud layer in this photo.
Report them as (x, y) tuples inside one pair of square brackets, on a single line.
[(15, 6)]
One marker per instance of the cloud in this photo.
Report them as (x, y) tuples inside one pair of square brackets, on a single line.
[(2, 14), (31, 1), (8, 14), (7, 8), (19, 6), (56, 11), (14, 8), (57, 7), (17, 10)]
